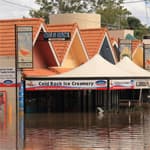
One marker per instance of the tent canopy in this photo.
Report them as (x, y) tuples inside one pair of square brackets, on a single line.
[(96, 67), (127, 65)]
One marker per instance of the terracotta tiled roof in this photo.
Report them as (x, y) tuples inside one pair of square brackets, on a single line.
[(7, 33), (61, 47), (113, 40), (44, 72), (92, 39)]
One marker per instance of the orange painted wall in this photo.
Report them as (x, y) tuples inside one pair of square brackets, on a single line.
[(76, 55), (137, 56)]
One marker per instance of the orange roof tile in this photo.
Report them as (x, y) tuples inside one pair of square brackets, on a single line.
[(61, 47), (112, 39), (7, 33), (44, 72), (92, 39)]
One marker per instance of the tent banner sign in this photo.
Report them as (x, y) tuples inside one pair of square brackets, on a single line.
[(32, 85), (121, 84), (142, 84)]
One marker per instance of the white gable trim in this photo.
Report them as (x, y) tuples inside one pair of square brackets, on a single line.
[(54, 54), (84, 50), (136, 50), (37, 34), (115, 43), (68, 49)]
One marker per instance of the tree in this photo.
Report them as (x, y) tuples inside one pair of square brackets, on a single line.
[(113, 15), (139, 29), (43, 12), (134, 23), (62, 6)]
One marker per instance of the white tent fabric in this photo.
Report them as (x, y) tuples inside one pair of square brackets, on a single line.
[(127, 65), (96, 67)]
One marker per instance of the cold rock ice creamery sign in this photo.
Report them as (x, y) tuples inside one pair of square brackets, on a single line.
[(65, 84)]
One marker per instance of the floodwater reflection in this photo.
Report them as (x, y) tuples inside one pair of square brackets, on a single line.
[(77, 131), (7, 132), (87, 131)]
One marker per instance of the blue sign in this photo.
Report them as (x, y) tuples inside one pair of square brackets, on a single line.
[(21, 96), (57, 36)]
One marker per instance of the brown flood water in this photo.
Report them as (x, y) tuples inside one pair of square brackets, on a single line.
[(78, 131), (88, 131)]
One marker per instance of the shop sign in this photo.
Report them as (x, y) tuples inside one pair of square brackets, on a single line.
[(7, 77), (147, 56), (124, 44), (121, 84), (24, 46), (65, 84), (57, 35), (142, 84)]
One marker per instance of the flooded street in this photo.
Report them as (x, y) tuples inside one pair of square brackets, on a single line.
[(78, 131), (7, 132), (88, 131)]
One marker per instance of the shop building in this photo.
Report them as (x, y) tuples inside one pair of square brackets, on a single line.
[(8, 57), (54, 49)]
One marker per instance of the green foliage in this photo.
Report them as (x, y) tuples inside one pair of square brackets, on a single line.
[(43, 12), (113, 14), (136, 25), (62, 6)]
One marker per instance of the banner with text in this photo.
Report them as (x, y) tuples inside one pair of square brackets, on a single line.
[(142, 84), (65, 84), (121, 84)]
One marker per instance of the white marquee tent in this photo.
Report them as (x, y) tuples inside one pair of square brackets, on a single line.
[(96, 67), (97, 73), (123, 75), (127, 65)]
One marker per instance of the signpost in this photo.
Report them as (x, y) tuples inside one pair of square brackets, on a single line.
[(24, 47)]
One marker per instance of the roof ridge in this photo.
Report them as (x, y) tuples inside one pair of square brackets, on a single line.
[(89, 29), (22, 19), (59, 25)]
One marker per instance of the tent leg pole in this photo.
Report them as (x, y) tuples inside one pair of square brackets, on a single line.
[(140, 97), (108, 103)]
